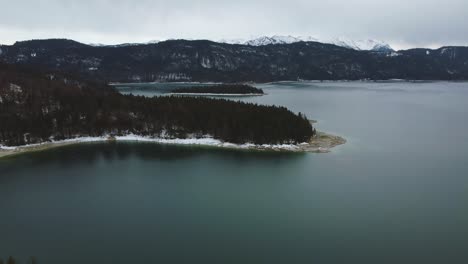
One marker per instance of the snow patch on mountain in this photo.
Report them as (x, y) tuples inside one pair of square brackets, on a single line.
[(237, 41), (370, 44), (124, 44), (261, 41)]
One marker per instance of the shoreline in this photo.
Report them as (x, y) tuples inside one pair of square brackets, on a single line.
[(293, 81), (27, 149), (138, 83), (213, 94), (322, 143)]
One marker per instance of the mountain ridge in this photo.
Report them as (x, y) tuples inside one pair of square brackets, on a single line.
[(204, 60), (369, 44)]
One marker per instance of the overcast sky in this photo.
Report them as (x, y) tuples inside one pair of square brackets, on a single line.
[(401, 23)]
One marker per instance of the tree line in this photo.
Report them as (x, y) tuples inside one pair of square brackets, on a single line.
[(221, 89), (36, 107)]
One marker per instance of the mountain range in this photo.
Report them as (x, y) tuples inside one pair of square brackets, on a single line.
[(259, 61), (368, 44)]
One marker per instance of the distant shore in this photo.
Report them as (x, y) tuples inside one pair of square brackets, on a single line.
[(295, 81), (321, 143), (213, 94)]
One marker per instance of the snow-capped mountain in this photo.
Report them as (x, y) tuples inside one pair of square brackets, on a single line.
[(261, 41), (265, 40), (124, 44), (370, 44)]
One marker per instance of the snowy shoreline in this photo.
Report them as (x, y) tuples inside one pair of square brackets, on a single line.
[(320, 144)]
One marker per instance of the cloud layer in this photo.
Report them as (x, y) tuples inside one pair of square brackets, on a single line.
[(402, 23)]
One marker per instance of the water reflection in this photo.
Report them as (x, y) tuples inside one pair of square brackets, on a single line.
[(91, 153)]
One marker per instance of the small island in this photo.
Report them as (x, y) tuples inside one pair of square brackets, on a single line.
[(220, 90)]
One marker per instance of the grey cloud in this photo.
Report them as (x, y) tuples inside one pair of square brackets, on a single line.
[(401, 23)]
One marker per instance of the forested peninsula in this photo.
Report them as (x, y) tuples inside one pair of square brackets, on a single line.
[(38, 107)]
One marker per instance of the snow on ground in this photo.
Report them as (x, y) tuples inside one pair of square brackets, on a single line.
[(7, 148), (205, 141)]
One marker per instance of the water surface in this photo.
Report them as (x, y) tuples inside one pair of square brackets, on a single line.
[(395, 193)]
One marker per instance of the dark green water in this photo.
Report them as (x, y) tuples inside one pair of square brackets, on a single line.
[(396, 193)]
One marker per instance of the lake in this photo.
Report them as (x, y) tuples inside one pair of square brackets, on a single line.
[(397, 192)]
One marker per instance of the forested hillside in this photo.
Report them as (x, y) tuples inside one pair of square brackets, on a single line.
[(37, 106), (207, 61)]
